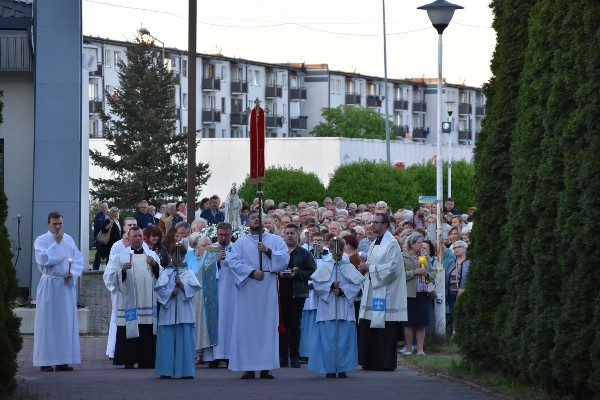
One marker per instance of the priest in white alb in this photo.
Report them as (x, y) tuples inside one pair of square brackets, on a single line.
[(56, 329), (383, 302), (255, 337), (134, 272)]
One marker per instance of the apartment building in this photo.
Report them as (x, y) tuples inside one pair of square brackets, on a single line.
[(294, 95)]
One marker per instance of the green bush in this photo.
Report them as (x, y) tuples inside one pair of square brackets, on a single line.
[(285, 184), (10, 337), (365, 181)]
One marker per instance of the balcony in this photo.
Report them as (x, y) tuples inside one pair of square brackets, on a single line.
[(95, 106), (298, 94), (211, 115), (211, 84), (273, 121), (401, 131), (400, 105), (298, 123), (465, 136), (480, 111), (352, 99), (374, 101), (464, 108), (239, 87), (97, 73), (419, 134), (238, 119), (272, 91), (419, 106)]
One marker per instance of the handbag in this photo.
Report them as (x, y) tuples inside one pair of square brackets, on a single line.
[(104, 237), (431, 289)]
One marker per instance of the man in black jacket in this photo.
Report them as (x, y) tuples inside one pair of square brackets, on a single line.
[(293, 291)]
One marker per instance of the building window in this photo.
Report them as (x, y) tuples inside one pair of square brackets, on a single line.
[(184, 68), (92, 91), (108, 58), (94, 128), (184, 101), (223, 133), (223, 107), (184, 130), (236, 105), (223, 71), (256, 77), (117, 58)]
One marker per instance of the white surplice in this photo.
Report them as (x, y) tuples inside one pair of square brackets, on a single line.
[(384, 292), (111, 340), (255, 339), (56, 330), (227, 298)]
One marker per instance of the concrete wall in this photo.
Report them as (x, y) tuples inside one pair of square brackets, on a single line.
[(17, 132), (229, 159), (57, 143)]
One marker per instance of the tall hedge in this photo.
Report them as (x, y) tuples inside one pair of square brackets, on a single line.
[(537, 170), (285, 184), (479, 318), (10, 337)]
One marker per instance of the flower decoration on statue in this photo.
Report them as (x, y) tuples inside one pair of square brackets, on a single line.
[(211, 232)]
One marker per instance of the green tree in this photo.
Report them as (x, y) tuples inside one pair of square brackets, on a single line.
[(145, 158), (481, 314), (352, 122), (285, 184), (10, 337)]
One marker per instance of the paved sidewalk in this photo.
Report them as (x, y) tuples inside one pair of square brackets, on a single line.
[(97, 378)]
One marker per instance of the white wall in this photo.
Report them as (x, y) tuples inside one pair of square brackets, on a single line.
[(229, 159), (17, 132)]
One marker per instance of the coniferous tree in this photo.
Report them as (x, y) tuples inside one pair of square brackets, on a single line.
[(479, 319), (526, 156), (146, 158), (578, 324), (10, 337), (546, 247)]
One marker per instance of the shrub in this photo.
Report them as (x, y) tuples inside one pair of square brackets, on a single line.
[(285, 184)]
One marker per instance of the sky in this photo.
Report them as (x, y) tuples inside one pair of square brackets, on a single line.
[(345, 34)]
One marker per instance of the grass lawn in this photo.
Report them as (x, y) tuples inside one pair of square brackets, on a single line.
[(443, 359)]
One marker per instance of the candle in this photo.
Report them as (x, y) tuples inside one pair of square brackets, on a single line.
[(422, 261), (131, 252), (335, 246)]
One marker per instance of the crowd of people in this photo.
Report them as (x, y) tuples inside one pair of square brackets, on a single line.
[(334, 286)]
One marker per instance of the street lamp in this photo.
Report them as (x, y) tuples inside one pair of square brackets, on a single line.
[(385, 98), (447, 128), (148, 38), (440, 14)]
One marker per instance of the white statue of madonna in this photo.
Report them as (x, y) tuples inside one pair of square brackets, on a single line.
[(232, 208)]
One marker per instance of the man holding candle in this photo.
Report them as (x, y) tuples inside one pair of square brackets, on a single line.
[(56, 332), (134, 272), (383, 302)]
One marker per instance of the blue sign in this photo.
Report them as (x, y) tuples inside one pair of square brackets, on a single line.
[(427, 199), (378, 304)]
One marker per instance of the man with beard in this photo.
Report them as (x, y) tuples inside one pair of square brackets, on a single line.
[(255, 338)]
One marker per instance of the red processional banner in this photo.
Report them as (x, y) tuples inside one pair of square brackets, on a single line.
[(257, 145)]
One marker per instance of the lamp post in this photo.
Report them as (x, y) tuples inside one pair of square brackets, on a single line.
[(385, 97), (450, 109), (148, 38), (440, 14)]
